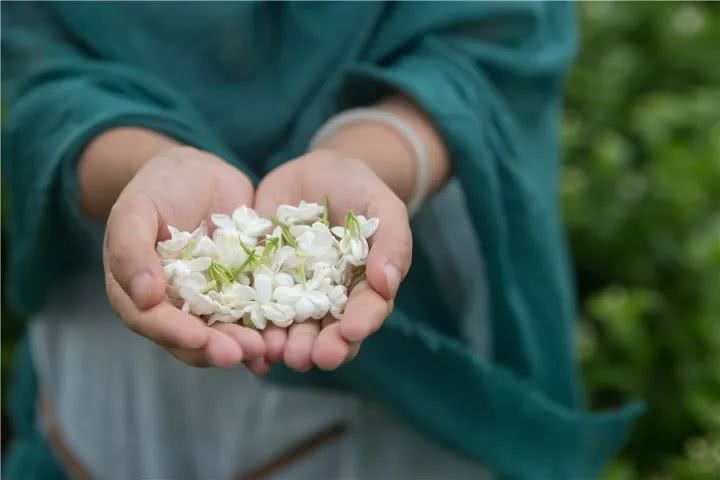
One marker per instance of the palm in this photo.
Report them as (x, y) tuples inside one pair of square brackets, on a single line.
[(190, 192), (348, 185), (180, 189)]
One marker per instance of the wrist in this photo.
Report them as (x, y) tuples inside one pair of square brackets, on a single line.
[(381, 148), (111, 160), (397, 140)]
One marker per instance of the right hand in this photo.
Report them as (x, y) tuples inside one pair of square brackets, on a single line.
[(181, 187)]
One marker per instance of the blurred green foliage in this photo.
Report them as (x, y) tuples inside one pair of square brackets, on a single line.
[(641, 194)]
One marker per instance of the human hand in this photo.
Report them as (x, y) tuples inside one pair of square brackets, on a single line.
[(348, 185), (180, 186)]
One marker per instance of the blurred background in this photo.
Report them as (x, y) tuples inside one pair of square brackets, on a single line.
[(641, 194)]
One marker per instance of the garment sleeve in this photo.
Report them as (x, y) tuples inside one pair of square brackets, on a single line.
[(470, 65), (57, 96), (489, 75)]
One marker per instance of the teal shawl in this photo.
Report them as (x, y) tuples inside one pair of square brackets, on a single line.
[(252, 82)]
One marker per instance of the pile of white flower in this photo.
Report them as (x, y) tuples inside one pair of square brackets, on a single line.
[(288, 269)]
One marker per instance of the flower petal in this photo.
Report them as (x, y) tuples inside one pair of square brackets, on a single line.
[(256, 228), (205, 248), (306, 212), (321, 304), (236, 294), (257, 318), (304, 309), (280, 315), (288, 295), (338, 231), (263, 287), (223, 221), (283, 279), (285, 257), (228, 247), (199, 264), (368, 226)]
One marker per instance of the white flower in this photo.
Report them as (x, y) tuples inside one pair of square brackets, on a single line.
[(337, 296), (285, 258), (186, 273), (205, 247), (230, 302), (317, 244), (354, 250), (179, 243), (237, 295), (245, 222), (278, 278), (244, 273), (193, 282), (307, 299), (204, 304), (215, 306), (229, 250), (353, 238), (368, 226), (261, 308), (306, 212), (182, 268), (183, 289)]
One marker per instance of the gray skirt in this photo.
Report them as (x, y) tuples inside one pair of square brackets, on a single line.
[(128, 410)]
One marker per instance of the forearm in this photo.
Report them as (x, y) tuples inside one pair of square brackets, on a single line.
[(389, 154), (110, 161)]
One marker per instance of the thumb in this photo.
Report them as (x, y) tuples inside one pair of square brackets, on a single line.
[(129, 251), (391, 247)]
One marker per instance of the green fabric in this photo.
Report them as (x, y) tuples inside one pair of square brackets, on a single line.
[(252, 82)]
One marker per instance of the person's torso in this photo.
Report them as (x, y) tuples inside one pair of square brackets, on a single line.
[(250, 68)]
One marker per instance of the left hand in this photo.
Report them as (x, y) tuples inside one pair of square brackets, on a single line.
[(349, 185)]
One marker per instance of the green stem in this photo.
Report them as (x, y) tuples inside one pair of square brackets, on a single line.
[(220, 274), (271, 246), (352, 226), (326, 211), (301, 272), (288, 237)]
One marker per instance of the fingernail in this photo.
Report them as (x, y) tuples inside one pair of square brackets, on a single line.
[(140, 287), (392, 277)]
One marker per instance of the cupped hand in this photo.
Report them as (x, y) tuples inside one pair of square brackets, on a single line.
[(181, 187), (348, 184)]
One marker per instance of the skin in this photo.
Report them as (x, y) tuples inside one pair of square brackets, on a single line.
[(141, 181)]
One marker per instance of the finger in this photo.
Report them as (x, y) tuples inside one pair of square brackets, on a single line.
[(354, 346), (330, 349), (391, 247), (164, 324), (130, 237), (298, 351), (279, 187), (365, 311), (194, 358), (259, 366), (250, 341), (222, 350), (234, 189), (275, 338), (354, 350)]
